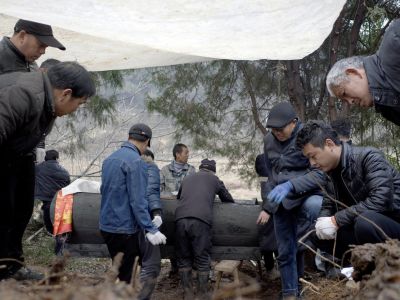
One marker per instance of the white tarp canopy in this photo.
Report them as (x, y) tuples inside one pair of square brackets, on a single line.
[(124, 34)]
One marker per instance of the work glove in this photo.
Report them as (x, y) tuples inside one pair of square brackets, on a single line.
[(280, 192), (325, 228), (157, 221), (156, 238)]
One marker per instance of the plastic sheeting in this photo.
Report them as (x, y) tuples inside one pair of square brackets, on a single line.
[(121, 34)]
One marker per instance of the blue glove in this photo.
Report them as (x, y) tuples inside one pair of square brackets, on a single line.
[(280, 192)]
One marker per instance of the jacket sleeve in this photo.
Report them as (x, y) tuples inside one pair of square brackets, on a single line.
[(223, 193), (313, 180), (378, 180), (329, 207), (153, 187), (136, 186), (15, 107), (389, 54)]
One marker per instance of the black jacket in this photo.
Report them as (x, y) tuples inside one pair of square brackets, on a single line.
[(26, 111), (288, 163), (12, 60), (196, 196), (372, 183), (50, 178), (383, 72)]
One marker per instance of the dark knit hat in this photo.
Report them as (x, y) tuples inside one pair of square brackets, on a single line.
[(209, 165), (281, 115), (42, 32), (140, 132)]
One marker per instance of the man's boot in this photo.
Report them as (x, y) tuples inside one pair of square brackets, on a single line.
[(186, 280), (148, 285), (202, 286)]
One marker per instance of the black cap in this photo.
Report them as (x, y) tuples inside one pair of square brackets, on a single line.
[(281, 115), (209, 165), (42, 32), (140, 132)]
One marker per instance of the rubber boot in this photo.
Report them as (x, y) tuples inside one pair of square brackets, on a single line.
[(202, 286), (148, 285), (186, 280)]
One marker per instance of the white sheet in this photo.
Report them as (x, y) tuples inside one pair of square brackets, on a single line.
[(121, 34)]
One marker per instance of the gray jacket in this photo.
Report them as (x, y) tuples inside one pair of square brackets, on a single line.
[(170, 180), (12, 60), (383, 72)]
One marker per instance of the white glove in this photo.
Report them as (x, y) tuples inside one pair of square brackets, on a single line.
[(157, 221), (156, 238), (326, 229)]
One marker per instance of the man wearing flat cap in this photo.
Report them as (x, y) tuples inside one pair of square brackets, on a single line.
[(28, 43), (292, 193), (124, 212), (193, 221)]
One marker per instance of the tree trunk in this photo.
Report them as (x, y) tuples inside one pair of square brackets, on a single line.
[(295, 87)]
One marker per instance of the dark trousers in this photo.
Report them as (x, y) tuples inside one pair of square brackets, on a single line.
[(361, 232), (150, 258), (17, 184), (128, 244), (193, 244), (46, 216)]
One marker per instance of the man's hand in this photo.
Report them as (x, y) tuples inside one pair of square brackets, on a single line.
[(280, 192), (157, 221), (326, 228), (156, 238), (263, 218)]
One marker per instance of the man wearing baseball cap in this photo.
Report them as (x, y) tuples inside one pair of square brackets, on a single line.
[(124, 213), (28, 43), (292, 194)]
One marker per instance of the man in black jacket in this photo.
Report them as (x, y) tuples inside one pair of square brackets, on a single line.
[(28, 43), (373, 80), (292, 193), (50, 178), (29, 105), (193, 218), (365, 183)]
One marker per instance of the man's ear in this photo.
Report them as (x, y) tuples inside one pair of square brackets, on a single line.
[(67, 92), (329, 143), (354, 72)]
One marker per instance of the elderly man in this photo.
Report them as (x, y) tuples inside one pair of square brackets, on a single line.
[(29, 104), (28, 43), (373, 80), (292, 194), (365, 183)]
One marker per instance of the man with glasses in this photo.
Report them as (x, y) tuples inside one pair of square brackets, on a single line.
[(292, 194), (28, 43)]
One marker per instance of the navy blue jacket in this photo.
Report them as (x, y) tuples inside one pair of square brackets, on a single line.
[(50, 178), (124, 207), (288, 163), (153, 188)]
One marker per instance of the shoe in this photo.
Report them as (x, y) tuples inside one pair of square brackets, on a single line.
[(148, 285), (187, 284), (26, 274), (202, 286)]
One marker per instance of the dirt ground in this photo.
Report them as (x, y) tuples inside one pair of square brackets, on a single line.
[(93, 278)]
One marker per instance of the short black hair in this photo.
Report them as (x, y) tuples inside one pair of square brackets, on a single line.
[(342, 126), (178, 148), (48, 63), (316, 133), (51, 155), (71, 75), (148, 152)]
